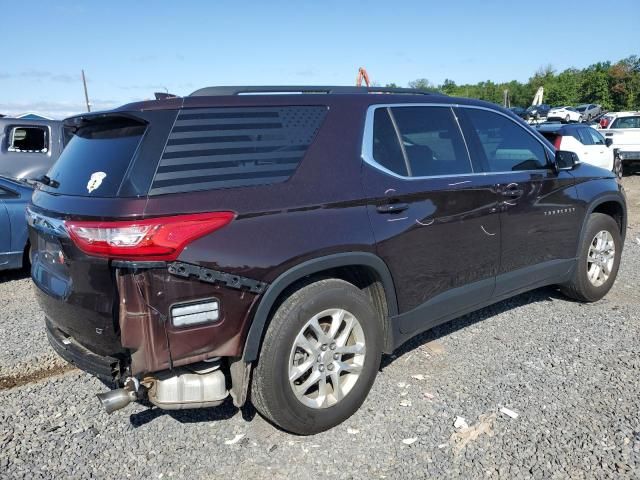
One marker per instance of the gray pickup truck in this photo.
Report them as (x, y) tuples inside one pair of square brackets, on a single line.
[(28, 148)]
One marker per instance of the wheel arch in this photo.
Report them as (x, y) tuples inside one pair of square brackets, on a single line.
[(348, 266), (608, 204)]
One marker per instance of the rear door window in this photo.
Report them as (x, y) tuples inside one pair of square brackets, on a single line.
[(419, 142), (506, 146), (97, 157), (596, 137), (386, 146), (584, 136), (432, 141)]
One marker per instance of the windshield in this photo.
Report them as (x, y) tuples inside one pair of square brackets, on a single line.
[(581, 108)]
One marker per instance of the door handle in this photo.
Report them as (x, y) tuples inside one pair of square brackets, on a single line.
[(392, 207), (512, 190)]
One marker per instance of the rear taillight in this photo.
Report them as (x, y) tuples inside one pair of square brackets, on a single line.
[(604, 122), (557, 141), (159, 239)]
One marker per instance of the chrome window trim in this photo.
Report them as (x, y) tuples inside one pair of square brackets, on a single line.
[(367, 140), (403, 149)]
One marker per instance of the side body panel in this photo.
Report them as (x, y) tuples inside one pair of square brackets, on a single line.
[(13, 226), (6, 254)]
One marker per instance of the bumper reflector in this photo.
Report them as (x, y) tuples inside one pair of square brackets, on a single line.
[(187, 314)]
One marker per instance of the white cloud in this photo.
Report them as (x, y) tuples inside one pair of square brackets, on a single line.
[(40, 75), (55, 109)]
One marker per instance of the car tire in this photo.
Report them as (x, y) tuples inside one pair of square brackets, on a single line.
[(567, 119), (600, 252), (580, 119), (297, 405), (618, 169)]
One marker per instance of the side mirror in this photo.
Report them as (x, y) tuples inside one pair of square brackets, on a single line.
[(566, 160), (608, 142)]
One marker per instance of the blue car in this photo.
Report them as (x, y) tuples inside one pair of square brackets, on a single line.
[(14, 240)]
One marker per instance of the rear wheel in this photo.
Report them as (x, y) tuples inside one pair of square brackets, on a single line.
[(567, 118), (598, 261), (319, 358)]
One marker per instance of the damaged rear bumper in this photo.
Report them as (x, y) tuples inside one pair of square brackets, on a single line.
[(104, 367), (149, 297)]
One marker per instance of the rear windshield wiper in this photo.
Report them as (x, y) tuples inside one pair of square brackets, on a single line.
[(49, 182)]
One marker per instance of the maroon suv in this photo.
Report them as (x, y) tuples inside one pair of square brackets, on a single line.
[(274, 246)]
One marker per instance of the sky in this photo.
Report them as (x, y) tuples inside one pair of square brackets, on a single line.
[(131, 49)]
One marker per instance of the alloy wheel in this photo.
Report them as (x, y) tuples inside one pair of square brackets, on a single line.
[(600, 259), (327, 358)]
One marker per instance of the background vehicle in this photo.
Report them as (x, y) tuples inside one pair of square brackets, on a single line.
[(536, 112), (519, 111), (14, 241), (28, 148), (565, 114), (590, 146), (280, 243), (605, 120), (623, 130), (589, 111)]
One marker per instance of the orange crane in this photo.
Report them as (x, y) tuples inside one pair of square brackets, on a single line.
[(362, 75)]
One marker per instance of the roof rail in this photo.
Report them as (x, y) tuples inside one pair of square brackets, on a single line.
[(296, 89)]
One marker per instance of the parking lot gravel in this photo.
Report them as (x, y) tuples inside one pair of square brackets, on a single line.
[(549, 388)]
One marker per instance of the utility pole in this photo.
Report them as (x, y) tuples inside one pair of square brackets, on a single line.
[(86, 95)]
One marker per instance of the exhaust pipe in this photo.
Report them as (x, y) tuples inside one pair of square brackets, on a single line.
[(117, 399)]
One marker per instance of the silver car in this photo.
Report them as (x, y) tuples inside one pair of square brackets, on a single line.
[(28, 148), (589, 111)]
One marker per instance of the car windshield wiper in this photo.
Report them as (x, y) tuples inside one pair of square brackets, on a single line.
[(49, 182)]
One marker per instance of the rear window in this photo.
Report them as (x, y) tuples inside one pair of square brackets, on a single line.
[(626, 122), (28, 139), (96, 157), (213, 148)]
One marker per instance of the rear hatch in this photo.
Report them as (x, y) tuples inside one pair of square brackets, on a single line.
[(103, 173)]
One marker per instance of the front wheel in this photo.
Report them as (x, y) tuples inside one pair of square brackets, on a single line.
[(319, 357), (598, 260), (567, 119), (618, 169)]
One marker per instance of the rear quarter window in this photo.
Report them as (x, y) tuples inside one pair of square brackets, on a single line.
[(213, 148)]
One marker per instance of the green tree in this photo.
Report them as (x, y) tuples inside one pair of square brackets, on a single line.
[(422, 84), (614, 86)]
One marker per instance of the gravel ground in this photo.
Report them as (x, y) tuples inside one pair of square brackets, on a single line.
[(570, 371)]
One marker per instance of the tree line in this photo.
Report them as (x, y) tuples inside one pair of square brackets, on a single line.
[(615, 86)]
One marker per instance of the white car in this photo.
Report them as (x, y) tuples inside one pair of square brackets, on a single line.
[(622, 129), (590, 146), (565, 114)]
